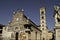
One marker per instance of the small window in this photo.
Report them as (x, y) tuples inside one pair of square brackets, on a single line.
[(42, 28), (42, 12), (16, 28), (42, 17), (42, 21), (42, 25)]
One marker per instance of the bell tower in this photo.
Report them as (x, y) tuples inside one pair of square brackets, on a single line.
[(43, 17), (43, 27)]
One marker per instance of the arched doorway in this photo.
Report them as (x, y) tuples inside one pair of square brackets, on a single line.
[(16, 36)]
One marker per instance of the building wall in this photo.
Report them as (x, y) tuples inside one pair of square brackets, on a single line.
[(1, 29)]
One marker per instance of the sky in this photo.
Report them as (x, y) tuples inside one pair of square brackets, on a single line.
[(31, 10)]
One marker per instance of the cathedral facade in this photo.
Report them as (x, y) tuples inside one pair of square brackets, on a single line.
[(22, 28)]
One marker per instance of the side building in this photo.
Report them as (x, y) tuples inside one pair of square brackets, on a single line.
[(1, 29)]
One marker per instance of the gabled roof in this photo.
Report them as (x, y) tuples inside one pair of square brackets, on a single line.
[(32, 23)]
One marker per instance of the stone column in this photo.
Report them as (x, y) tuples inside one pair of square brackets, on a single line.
[(27, 36), (33, 36), (38, 36)]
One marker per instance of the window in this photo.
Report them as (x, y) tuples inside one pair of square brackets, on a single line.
[(42, 28), (42, 21), (42, 25), (16, 28), (42, 17), (42, 12)]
